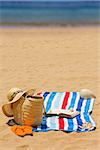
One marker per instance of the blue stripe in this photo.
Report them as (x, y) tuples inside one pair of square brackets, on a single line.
[(70, 125), (79, 104), (87, 105), (79, 120), (87, 118), (45, 95), (73, 100), (48, 106)]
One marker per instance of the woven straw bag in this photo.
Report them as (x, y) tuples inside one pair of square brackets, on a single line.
[(28, 110)]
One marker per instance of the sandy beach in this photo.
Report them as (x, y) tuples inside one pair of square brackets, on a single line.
[(50, 59)]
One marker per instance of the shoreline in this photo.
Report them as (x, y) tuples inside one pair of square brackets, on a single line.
[(49, 26)]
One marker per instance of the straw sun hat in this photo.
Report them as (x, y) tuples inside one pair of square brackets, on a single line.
[(25, 106), (13, 95)]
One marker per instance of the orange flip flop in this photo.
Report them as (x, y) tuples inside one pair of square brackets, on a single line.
[(22, 130), (27, 130)]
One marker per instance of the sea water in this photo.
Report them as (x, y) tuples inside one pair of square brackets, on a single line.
[(49, 13)]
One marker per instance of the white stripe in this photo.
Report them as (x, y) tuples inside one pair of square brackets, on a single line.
[(48, 122), (69, 100), (91, 104), (53, 102), (83, 105), (65, 124), (92, 122), (82, 118), (77, 100), (75, 124), (57, 123), (61, 100)]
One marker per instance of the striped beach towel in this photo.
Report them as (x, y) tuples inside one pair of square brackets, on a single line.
[(66, 100)]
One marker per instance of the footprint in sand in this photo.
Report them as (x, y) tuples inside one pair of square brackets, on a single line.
[(22, 147)]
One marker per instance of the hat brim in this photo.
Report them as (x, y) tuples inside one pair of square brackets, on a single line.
[(7, 109)]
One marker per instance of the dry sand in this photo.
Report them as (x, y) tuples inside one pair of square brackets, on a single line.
[(50, 59)]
